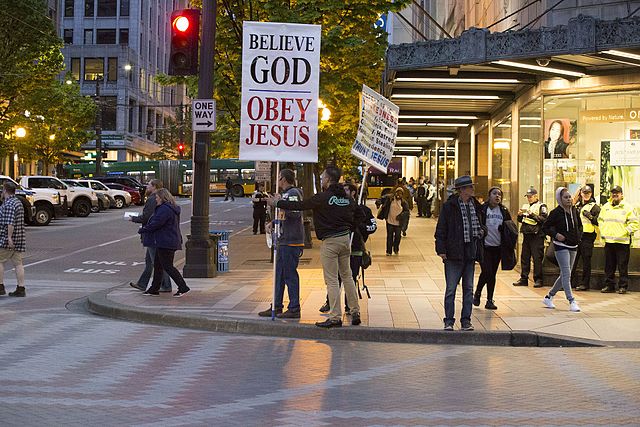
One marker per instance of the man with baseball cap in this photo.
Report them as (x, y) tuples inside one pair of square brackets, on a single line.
[(617, 225), (459, 235), (532, 215), (589, 211)]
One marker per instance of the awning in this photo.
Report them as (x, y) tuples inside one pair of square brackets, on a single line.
[(442, 86)]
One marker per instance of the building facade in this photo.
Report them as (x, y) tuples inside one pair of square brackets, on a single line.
[(121, 45), (528, 95)]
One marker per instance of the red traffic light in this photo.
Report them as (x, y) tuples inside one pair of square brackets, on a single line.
[(185, 29), (181, 23), (180, 147)]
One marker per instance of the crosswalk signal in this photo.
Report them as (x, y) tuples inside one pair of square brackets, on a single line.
[(185, 29), (180, 149)]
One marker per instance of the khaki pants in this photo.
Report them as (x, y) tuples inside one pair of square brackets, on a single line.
[(336, 257)]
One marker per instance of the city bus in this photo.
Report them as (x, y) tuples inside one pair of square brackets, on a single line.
[(177, 175)]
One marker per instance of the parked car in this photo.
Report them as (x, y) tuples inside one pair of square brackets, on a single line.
[(79, 199), (104, 200), (134, 193), (26, 197), (121, 198), (47, 203), (124, 180)]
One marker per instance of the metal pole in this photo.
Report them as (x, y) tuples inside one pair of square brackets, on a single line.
[(199, 259), (98, 130), (274, 245)]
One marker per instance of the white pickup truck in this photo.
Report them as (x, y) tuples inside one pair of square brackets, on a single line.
[(44, 204), (78, 199)]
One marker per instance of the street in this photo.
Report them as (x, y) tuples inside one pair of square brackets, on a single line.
[(63, 366)]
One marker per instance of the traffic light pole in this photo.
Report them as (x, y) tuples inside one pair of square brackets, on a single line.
[(199, 254)]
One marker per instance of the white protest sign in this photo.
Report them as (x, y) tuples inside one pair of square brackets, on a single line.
[(263, 171), (377, 130), (203, 115), (280, 79)]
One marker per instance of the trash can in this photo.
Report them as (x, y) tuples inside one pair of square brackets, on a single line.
[(220, 239)]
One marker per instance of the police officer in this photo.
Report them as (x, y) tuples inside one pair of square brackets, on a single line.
[(532, 215), (617, 225), (589, 212)]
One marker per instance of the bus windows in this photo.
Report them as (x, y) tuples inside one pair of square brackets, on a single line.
[(231, 173), (148, 176), (187, 177), (248, 174)]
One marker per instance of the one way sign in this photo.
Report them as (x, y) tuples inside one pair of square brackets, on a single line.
[(203, 115)]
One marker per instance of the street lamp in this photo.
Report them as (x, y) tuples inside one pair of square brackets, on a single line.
[(52, 137), (127, 67), (21, 132), (325, 112)]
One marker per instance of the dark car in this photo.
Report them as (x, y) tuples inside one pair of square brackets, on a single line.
[(126, 181), (135, 195)]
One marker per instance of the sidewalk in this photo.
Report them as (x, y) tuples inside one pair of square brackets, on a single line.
[(406, 302)]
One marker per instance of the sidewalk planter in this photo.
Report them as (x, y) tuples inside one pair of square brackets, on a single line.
[(220, 239)]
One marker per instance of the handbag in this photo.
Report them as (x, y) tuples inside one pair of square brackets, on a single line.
[(550, 254)]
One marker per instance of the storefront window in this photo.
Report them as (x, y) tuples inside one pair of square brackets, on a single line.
[(482, 161), (593, 140), (529, 149), (501, 158)]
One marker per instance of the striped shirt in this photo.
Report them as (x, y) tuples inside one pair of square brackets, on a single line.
[(12, 213)]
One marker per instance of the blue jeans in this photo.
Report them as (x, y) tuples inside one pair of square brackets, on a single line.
[(453, 272), (287, 274), (566, 258), (148, 271)]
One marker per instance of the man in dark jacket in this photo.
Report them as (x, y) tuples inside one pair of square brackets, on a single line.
[(148, 210), (333, 218), (459, 235), (228, 185), (290, 247), (532, 218)]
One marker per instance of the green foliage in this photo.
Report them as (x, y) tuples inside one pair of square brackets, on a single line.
[(55, 109), (30, 55), (173, 132), (352, 54)]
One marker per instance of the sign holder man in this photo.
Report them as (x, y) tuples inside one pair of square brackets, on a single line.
[(12, 237)]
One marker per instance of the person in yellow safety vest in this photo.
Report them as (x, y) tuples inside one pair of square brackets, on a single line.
[(532, 216), (589, 211), (617, 225)]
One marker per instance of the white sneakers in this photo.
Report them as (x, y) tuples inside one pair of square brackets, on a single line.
[(548, 302), (574, 306)]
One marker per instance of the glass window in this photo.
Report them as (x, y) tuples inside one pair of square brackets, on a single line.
[(501, 158), (75, 68), (107, 7), (68, 36), (112, 69), (248, 174), (89, 8), (88, 36), (231, 173), (106, 37), (529, 149), (68, 8), (482, 160), (109, 110), (124, 36), (93, 68), (124, 7)]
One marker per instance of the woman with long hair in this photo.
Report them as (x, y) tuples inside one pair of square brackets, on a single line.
[(163, 233), (555, 147), (565, 228), (395, 211), (498, 246)]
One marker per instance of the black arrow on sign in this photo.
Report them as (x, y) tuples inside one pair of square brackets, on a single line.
[(207, 123)]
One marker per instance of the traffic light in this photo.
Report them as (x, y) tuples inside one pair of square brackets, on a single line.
[(180, 149), (185, 30)]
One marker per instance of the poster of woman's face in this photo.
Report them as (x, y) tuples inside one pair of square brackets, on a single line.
[(556, 138)]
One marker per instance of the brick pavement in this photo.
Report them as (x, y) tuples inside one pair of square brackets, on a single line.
[(406, 292)]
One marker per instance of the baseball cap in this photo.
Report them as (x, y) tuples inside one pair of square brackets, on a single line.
[(531, 191), (616, 189), (586, 189)]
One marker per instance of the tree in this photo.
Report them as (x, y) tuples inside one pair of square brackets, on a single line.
[(30, 56), (352, 55), (174, 132), (58, 122)]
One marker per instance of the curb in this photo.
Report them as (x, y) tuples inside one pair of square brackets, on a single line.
[(99, 303)]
